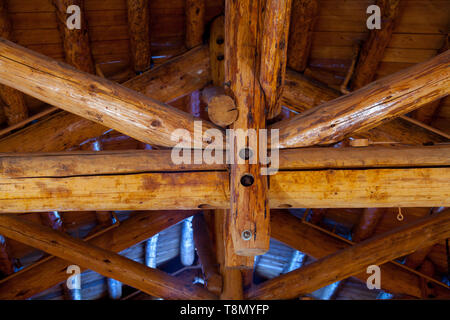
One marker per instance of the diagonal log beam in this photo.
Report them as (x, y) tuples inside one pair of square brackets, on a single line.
[(139, 31), (249, 221), (274, 40), (304, 15), (356, 259), (77, 48), (176, 78), (368, 107), (302, 93), (318, 244), (150, 281), (15, 107), (94, 98)]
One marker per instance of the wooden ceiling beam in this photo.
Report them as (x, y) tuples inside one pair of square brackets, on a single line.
[(304, 15), (195, 22), (86, 163), (365, 228), (274, 44), (369, 106), (139, 31), (174, 79), (249, 203), (94, 98), (15, 108), (355, 259), (319, 244), (326, 188), (374, 47), (77, 47), (302, 93), (6, 261), (50, 272)]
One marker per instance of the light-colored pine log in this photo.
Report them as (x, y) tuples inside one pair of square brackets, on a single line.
[(319, 244), (151, 281), (302, 93), (274, 44), (374, 48), (139, 31), (207, 255), (356, 259), (367, 107), (249, 203), (195, 22), (222, 110), (327, 188), (15, 108), (303, 18), (174, 79), (217, 51), (77, 48)]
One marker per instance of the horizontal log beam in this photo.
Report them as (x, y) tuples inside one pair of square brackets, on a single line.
[(174, 79), (356, 259), (84, 163), (107, 263), (327, 188), (369, 106), (94, 98)]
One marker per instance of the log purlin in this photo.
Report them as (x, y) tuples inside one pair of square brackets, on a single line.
[(369, 106), (174, 79), (107, 263), (94, 98), (249, 221), (355, 259)]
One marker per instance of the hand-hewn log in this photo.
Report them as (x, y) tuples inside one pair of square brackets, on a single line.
[(221, 108), (367, 107), (334, 188), (206, 254), (139, 30), (151, 281), (174, 79), (351, 261), (367, 223), (80, 163), (249, 204), (318, 244), (302, 93), (373, 49), (77, 48), (6, 262), (217, 51), (195, 22), (15, 107), (94, 98), (274, 38), (304, 14)]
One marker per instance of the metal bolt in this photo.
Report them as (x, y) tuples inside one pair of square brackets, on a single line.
[(247, 235)]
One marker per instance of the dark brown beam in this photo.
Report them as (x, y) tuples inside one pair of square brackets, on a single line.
[(195, 22)]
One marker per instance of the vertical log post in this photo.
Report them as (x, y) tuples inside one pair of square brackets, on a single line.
[(277, 16), (139, 30), (217, 51), (249, 221), (14, 106)]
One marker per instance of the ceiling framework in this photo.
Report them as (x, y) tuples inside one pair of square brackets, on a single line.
[(256, 58)]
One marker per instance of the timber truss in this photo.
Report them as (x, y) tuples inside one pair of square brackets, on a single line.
[(246, 61)]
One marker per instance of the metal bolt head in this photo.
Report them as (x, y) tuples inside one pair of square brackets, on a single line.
[(247, 235)]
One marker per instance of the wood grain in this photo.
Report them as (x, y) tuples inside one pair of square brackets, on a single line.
[(139, 31)]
